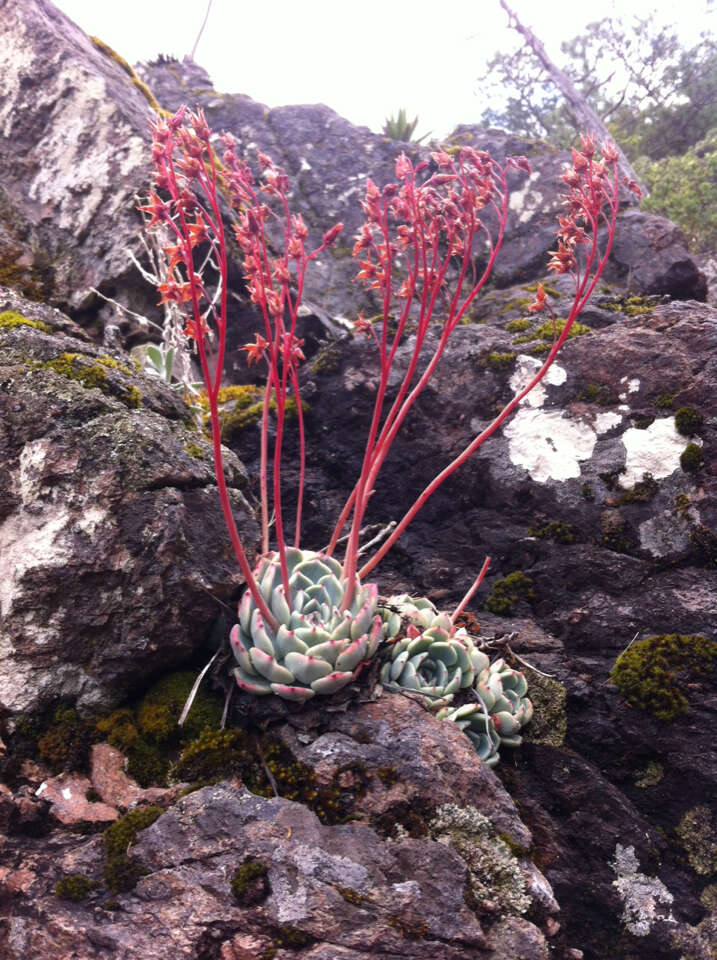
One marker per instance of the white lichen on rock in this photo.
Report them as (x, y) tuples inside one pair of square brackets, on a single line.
[(641, 895), (656, 451), (494, 871)]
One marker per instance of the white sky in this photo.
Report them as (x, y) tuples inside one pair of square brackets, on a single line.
[(363, 58)]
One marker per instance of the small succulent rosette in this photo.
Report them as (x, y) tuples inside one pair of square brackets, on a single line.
[(434, 659), (316, 648)]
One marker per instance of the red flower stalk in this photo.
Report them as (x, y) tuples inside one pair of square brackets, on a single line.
[(417, 248)]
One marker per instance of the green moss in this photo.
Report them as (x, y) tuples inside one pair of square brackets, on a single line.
[(249, 883), (194, 450), (687, 421), (120, 871), (10, 319), (220, 754), (67, 741), (587, 492), (518, 325), (242, 406), (691, 458), (290, 938), (92, 372), (410, 929), (551, 329), (509, 591), (73, 887), (655, 674), (682, 505), (327, 361), (159, 710), (598, 393), (650, 776), (665, 400), (550, 719), (555, 530), (387, 775), (631, 306), (642, 423), (146, 764), (540, 348), (643, 491), (499, 361), (351, 896), (697, 832), (142, 87)]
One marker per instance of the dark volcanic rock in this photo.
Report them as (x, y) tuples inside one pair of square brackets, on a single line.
[(111, 535)]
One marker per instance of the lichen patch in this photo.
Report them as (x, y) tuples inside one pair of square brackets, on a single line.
[(656, 451)]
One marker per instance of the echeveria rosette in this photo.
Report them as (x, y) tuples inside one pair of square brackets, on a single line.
[(434, 659), (316, 648)]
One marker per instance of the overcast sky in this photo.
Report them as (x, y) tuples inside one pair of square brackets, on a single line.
[(364, 59)]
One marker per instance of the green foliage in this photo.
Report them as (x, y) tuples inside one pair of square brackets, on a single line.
[(500, 361), (120, 871), (66, 743), (683, 188), (509, 591), (551, 329), (555, 530), (691, 458), (250, 884), (688, 421), (92, 372), (658, 97), (518, 325), (697, 832), (400, 128), (74, 887), (655, 674), (10, 319), (220, 754)]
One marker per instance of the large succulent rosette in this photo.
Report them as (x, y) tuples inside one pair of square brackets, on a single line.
[(316, 647)]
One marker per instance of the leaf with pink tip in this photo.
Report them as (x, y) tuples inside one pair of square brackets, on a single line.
[(307, 668), (268, 667), (298, 694), (259, 634), (332, 683), (245, 612), (240, 651), (353, 654), (251, 684)]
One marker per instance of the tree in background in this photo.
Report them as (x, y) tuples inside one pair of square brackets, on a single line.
[(657, 98)]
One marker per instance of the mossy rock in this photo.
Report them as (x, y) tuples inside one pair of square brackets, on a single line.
[(551, 329), (250, 884), (73, 887), (160, 708), (67, 741), (10, 319), (654, 674), (509, 591), (687, 420), (697, 833), (91, 372), (120, 871), (550, 719), (555, 530), (263, 763), (691, 458)]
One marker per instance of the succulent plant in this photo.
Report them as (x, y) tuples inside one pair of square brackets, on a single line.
[(435, 660), (316, 648)]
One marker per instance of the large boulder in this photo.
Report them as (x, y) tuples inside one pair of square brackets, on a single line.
[(113, 553)]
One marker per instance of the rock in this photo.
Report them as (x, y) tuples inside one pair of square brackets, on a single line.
[(109, 524), (67, 795), (120, 791)]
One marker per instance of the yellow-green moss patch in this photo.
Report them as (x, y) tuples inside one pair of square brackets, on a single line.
[(10, 319), (656, 674), (506, 593)]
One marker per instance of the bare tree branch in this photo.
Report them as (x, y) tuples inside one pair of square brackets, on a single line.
[(583, 115)]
